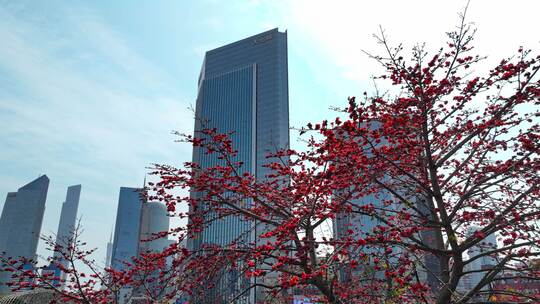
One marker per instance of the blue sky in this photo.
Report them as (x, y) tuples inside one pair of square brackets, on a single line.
[(90, 91)]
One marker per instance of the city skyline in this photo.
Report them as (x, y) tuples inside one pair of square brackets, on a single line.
[(57, 92)]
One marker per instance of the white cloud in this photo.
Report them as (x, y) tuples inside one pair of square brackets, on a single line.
[(341, 29)]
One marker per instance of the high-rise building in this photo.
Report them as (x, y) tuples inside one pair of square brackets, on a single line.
[(243, 88), (66, 228), (20, 223), (127, 234), (127, 228), (136, 221)]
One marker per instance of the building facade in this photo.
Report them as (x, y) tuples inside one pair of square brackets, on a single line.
[(243, 88), (20, 223), (127, 228), (68, 215), (154, 220)]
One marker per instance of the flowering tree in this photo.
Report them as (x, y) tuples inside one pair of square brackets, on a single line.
[(428, 182), (75, 277), (421, 185)]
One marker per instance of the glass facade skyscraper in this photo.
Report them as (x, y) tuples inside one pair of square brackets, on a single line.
[(136, 221), (243, 88), (20, 223), (127, 228)]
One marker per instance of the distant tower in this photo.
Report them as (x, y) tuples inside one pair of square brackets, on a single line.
[(361, 226), (66, 226), (108, 257), (242, 87), (127, 228), (68, 216), (20, 223), (357, 225)]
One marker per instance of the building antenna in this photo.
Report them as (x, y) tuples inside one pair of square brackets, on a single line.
[(144, 190)]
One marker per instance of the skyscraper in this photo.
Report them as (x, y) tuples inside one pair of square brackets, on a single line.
[(243, 87), (127, 228), (136, 221), (66, 227), (127, 234), (20, 223), (68, 216)]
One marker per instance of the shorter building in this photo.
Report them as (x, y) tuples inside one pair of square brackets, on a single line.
[(154, 223), (137, 224)]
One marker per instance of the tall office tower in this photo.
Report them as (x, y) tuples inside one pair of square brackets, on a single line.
[(127, 228), (127, 234), (20, 223), (66, 227), (243, 87)]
